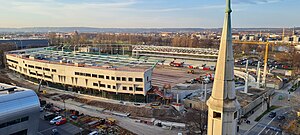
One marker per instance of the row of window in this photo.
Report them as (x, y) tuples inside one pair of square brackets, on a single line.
[(12, 66), (37, 67), (13, 61), (114, 87), (13, 122), (109, 77), (41, 75), (63, 79)]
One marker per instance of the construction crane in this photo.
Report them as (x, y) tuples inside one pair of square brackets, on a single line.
[(265, 57)]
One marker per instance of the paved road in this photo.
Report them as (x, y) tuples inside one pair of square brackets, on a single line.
[(267, 125)]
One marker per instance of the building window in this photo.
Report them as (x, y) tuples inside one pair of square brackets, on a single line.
[(31, 66), (107, 77), (47, 76), (147, 78), (138, 89), (217, 115), (108, 86), (118, 78), (94, 75), (95, 84), (113, 78), (82, 74), (76, 80), (38, 67), (13, 122), (32, 73), (102, 85), (131, 88), (53, 70), (76, 73), (87, 74), (101, 76), (124, 88), (130, 79), (24, 119), (123, 78), (114, 87), (13, 61), (235, 115), (23, 132), (46, 69), (25, 65), (139, 79)]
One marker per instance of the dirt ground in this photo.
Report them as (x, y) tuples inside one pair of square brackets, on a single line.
[(172, 75), (169, 114)]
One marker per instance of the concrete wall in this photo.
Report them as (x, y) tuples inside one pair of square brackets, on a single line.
[(199, 105), (195, 104), (256, 102)]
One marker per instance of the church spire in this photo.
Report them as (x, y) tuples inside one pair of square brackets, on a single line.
[(223, 87), (222, 104), (228, 7)]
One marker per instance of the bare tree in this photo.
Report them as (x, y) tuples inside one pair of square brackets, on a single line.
[(197, 121)]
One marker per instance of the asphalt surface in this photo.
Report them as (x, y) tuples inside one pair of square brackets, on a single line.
[(269, 126), (45, 128)]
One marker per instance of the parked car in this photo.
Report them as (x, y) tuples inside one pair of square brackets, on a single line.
[(61, 122), (54, 132), (56, 119), (272, 114), (73, 117), (280, 117), (41, 109), (94, 133), (49, 116), (43, 102)]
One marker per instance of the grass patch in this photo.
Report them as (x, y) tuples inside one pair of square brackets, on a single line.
[(266, 112)]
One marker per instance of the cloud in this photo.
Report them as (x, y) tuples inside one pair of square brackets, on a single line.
[(255, 1)]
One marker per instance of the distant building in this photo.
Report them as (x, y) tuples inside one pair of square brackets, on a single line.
[(26, 43), (251, 37), (198, 54), (245, 38), (19, 111), (286, 39), (295, 39), (236, 36)]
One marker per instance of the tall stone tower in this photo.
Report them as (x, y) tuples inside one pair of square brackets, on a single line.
[(222, 105)]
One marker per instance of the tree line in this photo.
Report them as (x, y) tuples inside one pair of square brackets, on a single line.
[(155, 39)]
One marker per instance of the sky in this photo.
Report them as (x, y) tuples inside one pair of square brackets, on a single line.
[(147, 13)]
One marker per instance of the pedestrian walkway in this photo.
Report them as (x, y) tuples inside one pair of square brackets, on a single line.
[(244, 127)]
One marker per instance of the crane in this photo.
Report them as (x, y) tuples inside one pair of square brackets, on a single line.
[(265, 57)]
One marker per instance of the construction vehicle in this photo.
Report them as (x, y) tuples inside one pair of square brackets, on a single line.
[(191, 71), (176, 64), (208, 78), (111, 121)]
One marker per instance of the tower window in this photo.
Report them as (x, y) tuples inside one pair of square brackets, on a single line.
[(235, 115), (217, 115)]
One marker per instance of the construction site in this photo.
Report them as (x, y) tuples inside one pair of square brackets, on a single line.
[(147, 89)]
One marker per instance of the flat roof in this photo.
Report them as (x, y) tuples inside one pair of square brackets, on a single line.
[(116, 62)]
